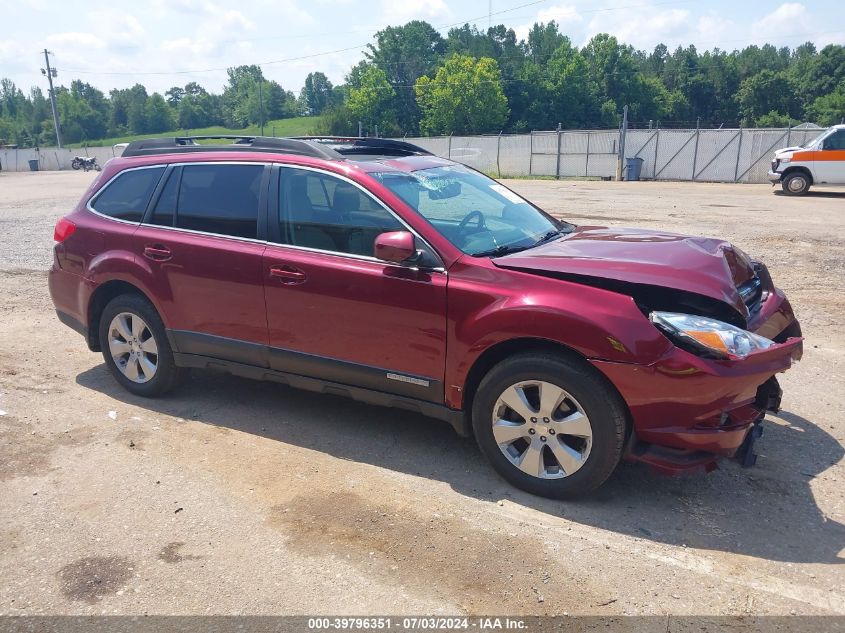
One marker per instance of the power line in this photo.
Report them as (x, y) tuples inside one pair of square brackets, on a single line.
[(351, 48)]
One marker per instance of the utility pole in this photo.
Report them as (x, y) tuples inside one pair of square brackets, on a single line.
[(261, 106), (623, 132), (51, 72)]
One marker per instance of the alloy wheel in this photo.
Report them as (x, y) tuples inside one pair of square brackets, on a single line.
[(542, 430), (133, 347)]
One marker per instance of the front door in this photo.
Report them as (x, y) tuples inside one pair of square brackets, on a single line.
[(830, 159), (334, 311), (203, 246)]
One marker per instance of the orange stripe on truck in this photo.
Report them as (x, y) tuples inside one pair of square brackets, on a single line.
[(821, 155)]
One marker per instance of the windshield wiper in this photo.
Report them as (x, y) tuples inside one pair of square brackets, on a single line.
[(547, 237), (499, 251)]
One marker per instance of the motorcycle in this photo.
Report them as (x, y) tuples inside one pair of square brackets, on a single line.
[(85, 163)]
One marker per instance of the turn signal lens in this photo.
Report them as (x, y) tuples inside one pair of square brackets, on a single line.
[(64, 229)]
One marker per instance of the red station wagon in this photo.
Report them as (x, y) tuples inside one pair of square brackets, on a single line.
[(373, 269)]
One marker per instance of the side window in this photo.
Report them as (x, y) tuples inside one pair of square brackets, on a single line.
[(219, 199), (835, 140), (165, 209), (322, 211), (128, 195)]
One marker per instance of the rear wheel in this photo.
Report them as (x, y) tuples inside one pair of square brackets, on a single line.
[(135, 347), (549, 425), (796, 184)]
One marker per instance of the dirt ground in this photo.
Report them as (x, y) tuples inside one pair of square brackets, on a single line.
[(236, 497)]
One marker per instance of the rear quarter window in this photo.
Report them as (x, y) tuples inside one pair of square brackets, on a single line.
[(127, 196)]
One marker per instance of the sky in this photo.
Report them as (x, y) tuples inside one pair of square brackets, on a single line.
[(164, 43)]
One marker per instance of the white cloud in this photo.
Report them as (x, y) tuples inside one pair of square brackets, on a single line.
[(563, 14), (398, 12), (566, 16), (643, 27), (71, 40), (712, 28), (788, 20)]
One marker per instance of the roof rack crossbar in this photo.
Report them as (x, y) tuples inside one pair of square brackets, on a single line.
[(242, 143), (367, 145)]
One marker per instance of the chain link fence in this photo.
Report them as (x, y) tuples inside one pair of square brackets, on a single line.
[(723, 155), (52, 158)]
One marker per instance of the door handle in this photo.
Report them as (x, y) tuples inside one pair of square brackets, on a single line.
[(287, 274), (157, 252)]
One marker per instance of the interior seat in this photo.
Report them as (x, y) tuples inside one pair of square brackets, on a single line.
[(304, 225)]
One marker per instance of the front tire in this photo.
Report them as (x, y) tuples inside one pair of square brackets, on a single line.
[(796, 184), (76, 164), (549, 424), (135, 347)]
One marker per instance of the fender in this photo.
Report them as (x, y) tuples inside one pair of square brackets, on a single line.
[(594, 322), (122, 265)]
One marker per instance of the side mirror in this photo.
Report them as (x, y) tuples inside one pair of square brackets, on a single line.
[(395, 246)]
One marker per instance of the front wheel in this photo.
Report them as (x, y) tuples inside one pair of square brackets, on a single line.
[(76, 164), (549, 424), (796, 184), (135, 347)]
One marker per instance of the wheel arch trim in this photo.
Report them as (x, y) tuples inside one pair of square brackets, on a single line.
[(104, 292)]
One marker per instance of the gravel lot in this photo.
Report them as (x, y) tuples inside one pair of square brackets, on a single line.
[(232, 496)]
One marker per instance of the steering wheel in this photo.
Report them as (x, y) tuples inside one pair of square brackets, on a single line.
[(480, 223)]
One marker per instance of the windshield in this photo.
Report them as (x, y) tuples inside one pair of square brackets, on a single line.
[(474, 212), (817, 139)]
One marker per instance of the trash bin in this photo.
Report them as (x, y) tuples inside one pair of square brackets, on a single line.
[(33, 164), (633, 167)]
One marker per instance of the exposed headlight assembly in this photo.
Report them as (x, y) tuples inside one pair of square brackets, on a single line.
[(712, 337)]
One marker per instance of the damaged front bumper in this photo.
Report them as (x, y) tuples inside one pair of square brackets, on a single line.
[(687, 410)]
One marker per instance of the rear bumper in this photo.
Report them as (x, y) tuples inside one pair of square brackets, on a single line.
[(70, 294), (687, 410)]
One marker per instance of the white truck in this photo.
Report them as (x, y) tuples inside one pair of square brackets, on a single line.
[(821, 161)]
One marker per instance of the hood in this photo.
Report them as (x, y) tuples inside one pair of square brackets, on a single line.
[(786, 152), (700, 265)]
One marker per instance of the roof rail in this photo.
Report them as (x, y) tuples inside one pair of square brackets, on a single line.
[(188, 144), (368, 145)]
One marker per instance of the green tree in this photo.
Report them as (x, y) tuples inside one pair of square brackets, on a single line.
[(403, 54), (828, 109), (243, 81), (465, 97), (372, 102), (765, 93), (316, 94), (158, 115), (174, 95), (543, 40)]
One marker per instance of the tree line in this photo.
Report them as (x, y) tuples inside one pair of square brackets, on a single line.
[(413, 80)]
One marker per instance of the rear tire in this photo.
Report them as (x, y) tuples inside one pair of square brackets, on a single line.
[(568, 439), (796, 184), (135, 347)]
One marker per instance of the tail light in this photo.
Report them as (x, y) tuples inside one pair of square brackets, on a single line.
[(64, 229)]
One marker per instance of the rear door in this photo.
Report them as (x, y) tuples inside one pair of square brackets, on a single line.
[(203, 243), (336, 312)]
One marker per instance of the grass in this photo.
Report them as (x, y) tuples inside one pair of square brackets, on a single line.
[(298, 126)]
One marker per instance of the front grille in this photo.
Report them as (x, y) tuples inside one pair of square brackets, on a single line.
[(775, 164), (751, 292)]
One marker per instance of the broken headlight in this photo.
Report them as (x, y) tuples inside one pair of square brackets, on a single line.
[(709, 337)]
